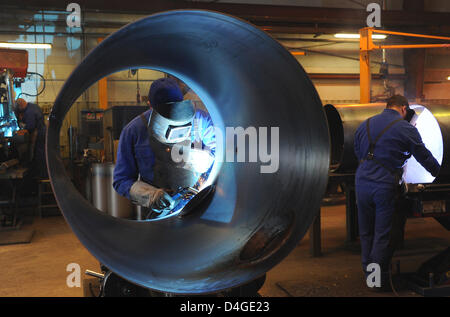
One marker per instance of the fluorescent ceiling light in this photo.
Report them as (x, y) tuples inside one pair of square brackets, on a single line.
[(379, 36), (356, 36), (346, 36), (25, 45)]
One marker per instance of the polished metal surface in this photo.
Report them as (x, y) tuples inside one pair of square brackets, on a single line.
[(442, 114), (9, 80), (343, 121), (253, 220), (98, 186), (104, 197)]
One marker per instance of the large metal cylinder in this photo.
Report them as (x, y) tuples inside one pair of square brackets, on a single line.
[(432, 122), (343, 120), (104, 197), (253, 220), (98, 187)]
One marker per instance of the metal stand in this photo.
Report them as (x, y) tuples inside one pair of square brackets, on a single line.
[(13, 176), (351, 214), (347, 182), (109, 284), (433, 277), (315, 240)]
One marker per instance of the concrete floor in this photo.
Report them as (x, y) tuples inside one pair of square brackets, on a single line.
[(39, 268)]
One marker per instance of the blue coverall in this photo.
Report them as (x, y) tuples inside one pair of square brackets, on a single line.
[(377, 186), (33, 119), (135, 156)]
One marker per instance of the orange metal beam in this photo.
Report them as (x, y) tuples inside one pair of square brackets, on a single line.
[(102, 89), (379, 47), (366, 46), (364, 65), (411, 35)]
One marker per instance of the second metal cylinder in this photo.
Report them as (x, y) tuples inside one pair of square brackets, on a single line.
[(104, 197)]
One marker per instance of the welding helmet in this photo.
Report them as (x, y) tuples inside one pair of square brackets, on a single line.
[(171, 118), (171, 122), (169, 128), (170, 125)]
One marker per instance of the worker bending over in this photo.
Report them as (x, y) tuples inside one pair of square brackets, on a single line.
[(30, 117)]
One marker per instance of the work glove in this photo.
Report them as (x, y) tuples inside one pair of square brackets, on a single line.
[(148, 196), (162, 201)]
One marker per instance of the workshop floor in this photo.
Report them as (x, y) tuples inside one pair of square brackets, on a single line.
[(39, 268)]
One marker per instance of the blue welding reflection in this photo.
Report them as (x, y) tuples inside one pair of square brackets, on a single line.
[(8, 121)]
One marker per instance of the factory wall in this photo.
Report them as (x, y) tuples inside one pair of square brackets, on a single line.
[(391, 4), (343, 58), (430, 5), (70, 45)]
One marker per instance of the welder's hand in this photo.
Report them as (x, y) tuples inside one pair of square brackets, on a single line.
[(146, 195), (162, 201)]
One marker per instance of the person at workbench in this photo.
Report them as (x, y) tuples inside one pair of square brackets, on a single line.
[(31, 118), (382, 145)]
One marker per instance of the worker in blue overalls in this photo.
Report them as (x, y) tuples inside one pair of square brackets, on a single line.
[(145, 170), (382, 145), (31, 118)]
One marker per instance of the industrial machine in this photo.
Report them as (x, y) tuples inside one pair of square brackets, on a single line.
[(90, 129), (15, 147), (246, 221), (425, 196), (114, 120), (13, 70)]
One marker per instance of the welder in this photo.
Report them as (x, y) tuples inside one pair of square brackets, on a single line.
[(145, 171), (31, 118), (382, 145)]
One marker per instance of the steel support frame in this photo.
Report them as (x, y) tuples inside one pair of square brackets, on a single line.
[(366, 45)]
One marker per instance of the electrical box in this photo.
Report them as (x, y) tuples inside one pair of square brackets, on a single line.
[(114, 120)]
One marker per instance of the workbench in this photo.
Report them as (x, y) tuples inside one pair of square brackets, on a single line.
[(13, 176)]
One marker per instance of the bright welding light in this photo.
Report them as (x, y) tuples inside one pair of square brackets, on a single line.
[(200, 160), (25, 45), (430, 132)]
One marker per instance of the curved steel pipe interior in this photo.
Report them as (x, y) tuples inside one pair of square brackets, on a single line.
[(254, 219)]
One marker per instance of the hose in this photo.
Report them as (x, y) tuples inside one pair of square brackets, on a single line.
[(40, 92), (392, 284)]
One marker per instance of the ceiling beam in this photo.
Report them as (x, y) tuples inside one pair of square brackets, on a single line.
[(251, 12), (272, 18)]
